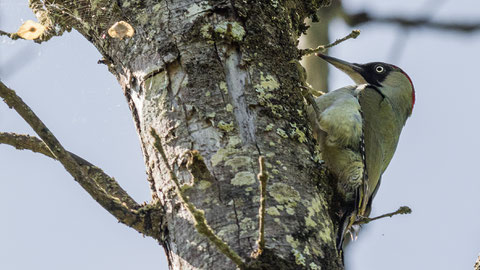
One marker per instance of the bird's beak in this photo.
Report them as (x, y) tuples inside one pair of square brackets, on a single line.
[(354, 71)]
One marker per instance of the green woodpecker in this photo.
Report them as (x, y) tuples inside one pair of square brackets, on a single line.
[(358, 127)]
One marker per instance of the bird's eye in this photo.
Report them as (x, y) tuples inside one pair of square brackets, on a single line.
[(379, 69)]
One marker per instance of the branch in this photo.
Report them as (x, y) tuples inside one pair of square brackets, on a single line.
[(25, 142), (403, 210), (262, 177), (306, 52), (40, 31), (356, 19), (198, 215), (104, 189), (12, 36), (29, 30)]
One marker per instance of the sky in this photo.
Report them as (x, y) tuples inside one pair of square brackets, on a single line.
[(49, 222)]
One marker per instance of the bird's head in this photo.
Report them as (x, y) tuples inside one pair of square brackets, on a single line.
[(389, 80)]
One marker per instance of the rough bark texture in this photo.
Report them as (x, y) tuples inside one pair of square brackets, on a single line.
[(222, 78)]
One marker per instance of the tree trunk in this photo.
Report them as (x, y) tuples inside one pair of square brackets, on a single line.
[(218, 81)]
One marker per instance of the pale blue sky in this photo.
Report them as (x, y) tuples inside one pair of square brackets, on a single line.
[(49, 222)]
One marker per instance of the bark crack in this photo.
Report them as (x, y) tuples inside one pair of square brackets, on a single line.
[(217, 183), (174, 37), (237, 222), (217, 55)]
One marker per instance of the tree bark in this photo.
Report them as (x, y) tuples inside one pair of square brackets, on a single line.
[(219, 82)]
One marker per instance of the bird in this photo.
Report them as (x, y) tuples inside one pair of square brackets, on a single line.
[(357, 128)]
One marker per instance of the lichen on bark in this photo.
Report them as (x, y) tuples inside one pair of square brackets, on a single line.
[(221, 79)]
